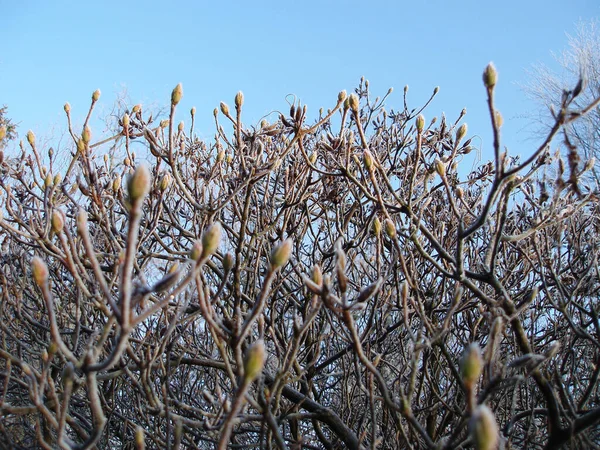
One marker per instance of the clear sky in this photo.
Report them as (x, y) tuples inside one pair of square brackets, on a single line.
[(58, 51)]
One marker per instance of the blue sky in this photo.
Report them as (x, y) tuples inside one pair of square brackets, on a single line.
[(60, 51)]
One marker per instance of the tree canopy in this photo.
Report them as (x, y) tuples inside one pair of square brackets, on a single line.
[(298, 284)]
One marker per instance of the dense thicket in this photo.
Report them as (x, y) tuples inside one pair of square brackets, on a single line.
[(334, 284)]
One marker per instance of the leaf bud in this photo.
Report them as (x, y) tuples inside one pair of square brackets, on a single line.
[(224, 108), (96, 95), (342, 96), (57, 221), (471, 365), (484, 429), (390, 228), (420, 122), (139, 184), (317, 275), (67, 108), (368, 159), (499, 119), (440, 167), (461, 132), (239, 100), (86, 135), (196, 251), (193, 111), (377, 226), (211, 239), (180, 126), (353, 102), (136, 109), (31, 138), (126, 121), (228, 262), (116, 184), (165, 182), (2, 132), (281, 254), (176, 94), (57, 179), (254, 361), (39, 269), (490, 76), (48, 181)]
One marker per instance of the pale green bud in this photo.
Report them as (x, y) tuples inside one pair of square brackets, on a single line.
[(177, 94), (39, 269), (471, 365), (139, 184), (484, 429), (490, 76), (420, 122), (254, 361), (281, 254), (31, 138), (211, 239), (96, 95), (461, 132), (239, 100), (390, 228)]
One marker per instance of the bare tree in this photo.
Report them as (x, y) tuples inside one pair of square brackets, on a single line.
[(322, 285), (580, 60)]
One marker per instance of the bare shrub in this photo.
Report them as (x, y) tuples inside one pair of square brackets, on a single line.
[(333, 284)]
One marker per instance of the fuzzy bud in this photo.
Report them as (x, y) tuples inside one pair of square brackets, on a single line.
[(196, 251), (211, 239), (140, 438), (31, 138), (86, 135), (39, 269), (2, 132), (390, 228), (420, 122), (461, 132), (353, 102), (368, 159), (180, 126), (254, 361), (165, 182), (281, 254), (499, 119), (139, 184), (228, 262), (136, 109), (484, 429), (490, 76), (342, 96), (67, 107), (116, 184), (313, 157), (224, 108), (377, 226), (126, 121), (57, 221), (239, 100), (440, 167), (193, 111), (317, 275), (471, 364), (176, 94), (48, 181), (96, 95), (57, 179)]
